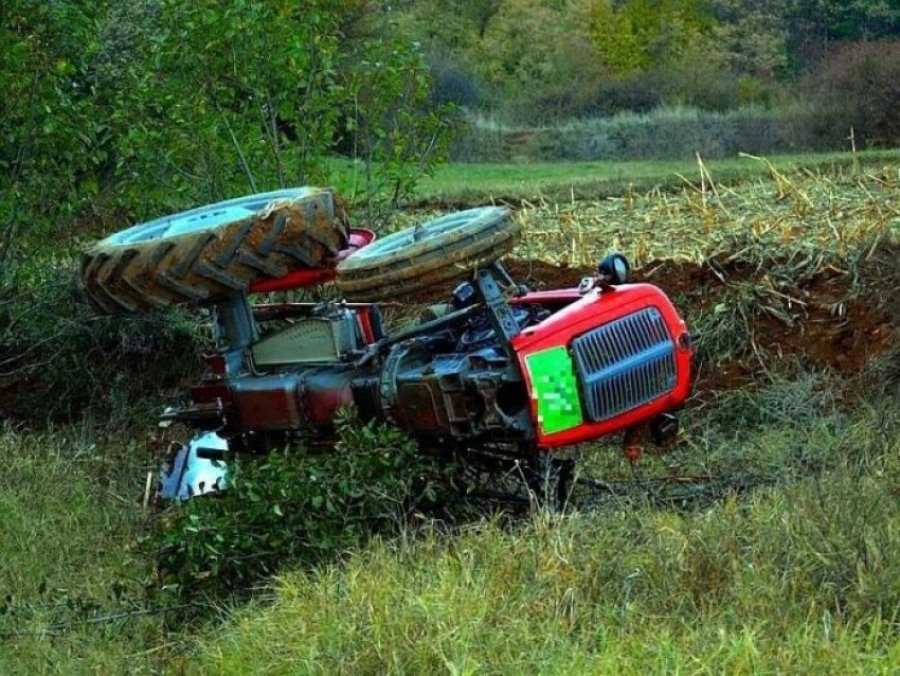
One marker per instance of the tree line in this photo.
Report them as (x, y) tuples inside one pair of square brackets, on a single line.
[(542, 59)]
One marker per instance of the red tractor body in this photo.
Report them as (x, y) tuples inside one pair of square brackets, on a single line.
[(605, 361), (520, 375), (497, 371)]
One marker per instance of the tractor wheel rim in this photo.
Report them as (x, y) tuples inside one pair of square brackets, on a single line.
[(206, 217), (419, 233)]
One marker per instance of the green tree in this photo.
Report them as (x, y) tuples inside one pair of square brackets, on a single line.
[(752, 36), (511, 51), (397, 135), (638, 35), (814, 25), (223, 83), (248, 96), (131, 108), (50, 135)]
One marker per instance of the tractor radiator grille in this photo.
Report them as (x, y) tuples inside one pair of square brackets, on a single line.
[(625, 364)]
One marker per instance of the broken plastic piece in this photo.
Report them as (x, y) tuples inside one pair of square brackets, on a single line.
[(196, 469)]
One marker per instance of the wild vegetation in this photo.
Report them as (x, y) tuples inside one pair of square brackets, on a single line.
[(596, 79), (115, 112), (769, 540), (782, 557)]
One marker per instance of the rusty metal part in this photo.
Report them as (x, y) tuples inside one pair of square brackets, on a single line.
[(453, 396), (309, 399), (268, 402), (502, 320)]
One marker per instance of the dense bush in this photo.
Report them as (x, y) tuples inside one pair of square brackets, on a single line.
[(136, 109), (666, 133), (798, 577), (59, 360), (293, 506), (453, 83), (858, 86), (52, 141), (709, 82), (562, 100)]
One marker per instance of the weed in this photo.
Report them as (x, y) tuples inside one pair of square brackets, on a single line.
[(794, 579), (70, 513)]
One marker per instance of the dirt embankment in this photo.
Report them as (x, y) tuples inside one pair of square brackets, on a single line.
[(831, 319)]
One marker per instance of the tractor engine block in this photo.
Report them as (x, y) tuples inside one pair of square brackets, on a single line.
[(444, 396), (439, 388)]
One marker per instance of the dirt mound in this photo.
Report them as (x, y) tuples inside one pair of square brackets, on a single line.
[(539, 275), (830, 319)]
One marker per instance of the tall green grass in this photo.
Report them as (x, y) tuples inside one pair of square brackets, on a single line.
[(70, 517), (799, 575), (801, 578)]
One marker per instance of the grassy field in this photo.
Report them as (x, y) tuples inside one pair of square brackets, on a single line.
[(475, 183), (799, 574), (787, 561), (783, 581), (70, 518), (467, 184)]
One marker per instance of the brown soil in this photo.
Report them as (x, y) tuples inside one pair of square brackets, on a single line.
[(830, 327), (539, 275)]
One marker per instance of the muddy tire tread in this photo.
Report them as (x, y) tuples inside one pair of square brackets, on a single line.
[(208, 265)]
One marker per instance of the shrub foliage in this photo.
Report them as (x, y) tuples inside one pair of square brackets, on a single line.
[(858, 87), (293, 506), (60, 361), (120, 111)]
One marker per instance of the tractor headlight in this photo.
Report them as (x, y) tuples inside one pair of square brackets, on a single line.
[(614, 269)]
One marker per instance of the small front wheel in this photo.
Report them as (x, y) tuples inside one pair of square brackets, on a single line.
[(428, 255)]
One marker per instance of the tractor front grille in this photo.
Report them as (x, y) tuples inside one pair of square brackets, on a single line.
[(625, 364)]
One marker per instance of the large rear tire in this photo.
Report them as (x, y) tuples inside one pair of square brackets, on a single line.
[(427, 255), (207, 253)]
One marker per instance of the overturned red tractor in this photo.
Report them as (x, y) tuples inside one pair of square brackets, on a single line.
[(496, 371)]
